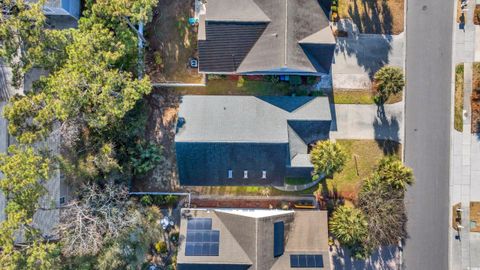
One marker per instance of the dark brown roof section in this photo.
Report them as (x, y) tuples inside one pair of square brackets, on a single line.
[(227, 44)]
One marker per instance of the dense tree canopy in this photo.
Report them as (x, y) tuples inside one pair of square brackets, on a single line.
[(24, 171), (90, 90), (26, 42)]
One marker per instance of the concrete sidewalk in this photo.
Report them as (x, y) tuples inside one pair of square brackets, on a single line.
[(367, 122), (465, 177)]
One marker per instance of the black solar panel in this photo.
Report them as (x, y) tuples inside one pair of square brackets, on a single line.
[(278, 235), (199, 224), (306, 261), (201, 239), (201, 249)]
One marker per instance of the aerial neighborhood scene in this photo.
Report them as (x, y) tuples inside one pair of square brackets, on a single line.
[(240, 134)]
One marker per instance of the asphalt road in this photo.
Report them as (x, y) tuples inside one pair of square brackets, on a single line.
[(429, 25)]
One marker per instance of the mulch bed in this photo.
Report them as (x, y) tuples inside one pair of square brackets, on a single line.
[(236, 203), (475, 216), (476, 99)]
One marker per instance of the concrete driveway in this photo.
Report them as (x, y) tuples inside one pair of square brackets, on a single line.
[(359, 56), (367, 122)]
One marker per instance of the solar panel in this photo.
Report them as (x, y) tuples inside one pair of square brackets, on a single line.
[(201, 249), (199, 224), (306, 261), (278, 238), (201, 239)]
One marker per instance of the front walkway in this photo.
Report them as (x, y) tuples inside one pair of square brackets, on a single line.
[(367, 122)]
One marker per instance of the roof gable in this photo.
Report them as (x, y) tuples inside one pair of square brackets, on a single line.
[(234, 11), (278, 48)]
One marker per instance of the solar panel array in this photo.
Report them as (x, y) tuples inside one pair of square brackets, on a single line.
[(306, 261), (201, 239), (278, 238)]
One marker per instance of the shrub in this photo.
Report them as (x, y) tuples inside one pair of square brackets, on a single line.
[(161, 247), (144, 157), (327, 157), (349, 226), (295, 80), (334, 9), (157, 56), (146, 200), (388, 81)]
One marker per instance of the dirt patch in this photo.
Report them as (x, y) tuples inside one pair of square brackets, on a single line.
[(476, 16), (475, 216), (374, 16), (476, 99), (163, 107), (172, 41)]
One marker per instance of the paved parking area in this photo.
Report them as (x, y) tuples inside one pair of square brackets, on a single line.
[(359, 56)]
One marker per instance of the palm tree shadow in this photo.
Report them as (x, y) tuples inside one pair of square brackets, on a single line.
[(386, 132)]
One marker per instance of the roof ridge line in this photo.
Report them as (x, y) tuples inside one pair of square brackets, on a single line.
[(228, 229)]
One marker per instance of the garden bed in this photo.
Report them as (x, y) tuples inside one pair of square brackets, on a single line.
[(476, 16), (250, 85), (374, 16), (363, 156), (246, 191), (476, 99), (172, 41), (475, 216), (458, 117)]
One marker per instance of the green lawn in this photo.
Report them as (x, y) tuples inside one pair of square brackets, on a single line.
[(249, 190), (360, 97), (363, 156), (458, 120), (241, 87), (297, 180)]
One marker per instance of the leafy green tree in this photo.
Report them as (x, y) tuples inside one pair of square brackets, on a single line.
[(26, 41), (349, 225), (392, 171), (327, 158), (86, 86), (388, 81), (24, 171)]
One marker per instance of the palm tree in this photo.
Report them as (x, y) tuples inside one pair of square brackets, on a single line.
[(392, 171), (389, 81), (327, 158), (349, 225)]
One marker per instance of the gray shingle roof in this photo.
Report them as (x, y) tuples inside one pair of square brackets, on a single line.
[(246, 118), (278, 48), (260, 135), (226, 44), (250, 232)]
